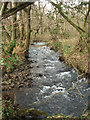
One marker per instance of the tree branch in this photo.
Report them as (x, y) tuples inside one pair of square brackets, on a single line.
[(86, 16), (79, 29), (15, 9), (4, 6), (25, 10)]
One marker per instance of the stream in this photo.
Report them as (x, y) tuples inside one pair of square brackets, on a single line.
[(53, 79)]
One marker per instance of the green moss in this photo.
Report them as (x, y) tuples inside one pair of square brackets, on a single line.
[(33, 112)]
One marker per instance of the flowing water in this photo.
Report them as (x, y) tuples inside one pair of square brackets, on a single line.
[(53, 79)]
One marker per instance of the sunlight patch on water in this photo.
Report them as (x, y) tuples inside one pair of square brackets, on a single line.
[(52, 90), (50, 61), (57, 89), (50, 67), (45, 88), (82, 80), (63, 74)]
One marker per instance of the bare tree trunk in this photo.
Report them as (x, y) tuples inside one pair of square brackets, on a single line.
[(21, 26), (41, 11), (4, 6), (27, 44), (14, 24), (13, 37), (15, 9), (89, 41), (41, 23), (5, 32)]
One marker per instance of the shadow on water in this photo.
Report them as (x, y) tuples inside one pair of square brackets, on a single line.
[(52, 78)]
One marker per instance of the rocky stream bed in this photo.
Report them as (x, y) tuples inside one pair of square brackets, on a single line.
[(47, 84)]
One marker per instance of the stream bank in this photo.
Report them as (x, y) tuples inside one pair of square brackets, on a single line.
[(44, 77), (72, 54)]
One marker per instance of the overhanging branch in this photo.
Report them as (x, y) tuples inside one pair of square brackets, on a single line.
[(4, 6), (86, 16), (15, 9), (79, 29)]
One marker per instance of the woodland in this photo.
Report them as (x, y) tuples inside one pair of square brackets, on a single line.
[(64, 28)]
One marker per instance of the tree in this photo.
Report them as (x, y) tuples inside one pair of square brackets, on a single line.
[(79, 29), (13, 36), (3, 8), (21, 28), (27, 11), (14, 10)]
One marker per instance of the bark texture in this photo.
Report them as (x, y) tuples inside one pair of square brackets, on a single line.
[(4, 6), (21, 27), (28, 32), (13, 37), (14, 10)]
